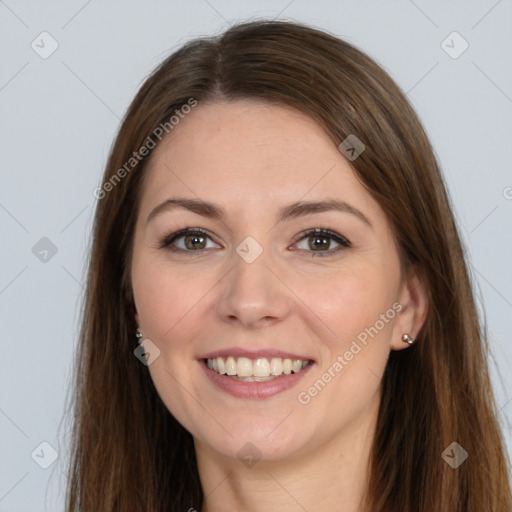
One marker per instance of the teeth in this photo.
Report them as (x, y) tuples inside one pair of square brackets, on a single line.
[(259, 370), (252, 379), (244, 367), (296, 366), (276, 366), (230, 366), (221, 365)]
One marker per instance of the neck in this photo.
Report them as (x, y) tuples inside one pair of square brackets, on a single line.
[(331, 475)]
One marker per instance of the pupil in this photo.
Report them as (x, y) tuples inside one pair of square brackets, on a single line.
[(191, 239), (323, 242)]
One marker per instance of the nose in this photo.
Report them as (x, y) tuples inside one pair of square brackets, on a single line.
[(253, 295)]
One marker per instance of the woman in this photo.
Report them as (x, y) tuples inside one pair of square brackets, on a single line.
[(278, 311)]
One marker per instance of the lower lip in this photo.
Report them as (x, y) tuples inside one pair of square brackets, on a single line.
[(255, 390)]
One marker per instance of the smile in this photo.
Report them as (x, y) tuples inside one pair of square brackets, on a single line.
[(259, 370), (256, 379)]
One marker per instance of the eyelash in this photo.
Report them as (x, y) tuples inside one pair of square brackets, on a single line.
[(166, 242)]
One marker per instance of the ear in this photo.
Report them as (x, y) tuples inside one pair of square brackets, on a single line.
[(413, 298), (137, 318)]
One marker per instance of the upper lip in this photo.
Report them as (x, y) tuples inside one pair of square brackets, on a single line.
[(254, 354)]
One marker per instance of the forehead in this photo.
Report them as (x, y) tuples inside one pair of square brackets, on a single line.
[(245, 153)]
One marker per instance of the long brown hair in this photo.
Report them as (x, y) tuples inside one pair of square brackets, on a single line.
[(128, 452)]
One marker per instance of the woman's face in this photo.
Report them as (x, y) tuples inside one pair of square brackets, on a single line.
[(257, 288)]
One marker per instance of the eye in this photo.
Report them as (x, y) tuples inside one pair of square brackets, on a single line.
[(186, 240), (319, 240)]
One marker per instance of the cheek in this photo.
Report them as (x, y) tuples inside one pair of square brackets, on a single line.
[(164, 298), (168, 303), (352, 302), (358, 308)]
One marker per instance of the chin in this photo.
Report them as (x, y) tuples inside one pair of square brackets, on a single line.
[(261, 440)]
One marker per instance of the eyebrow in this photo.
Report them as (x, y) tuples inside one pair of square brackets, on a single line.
[(287, 212)]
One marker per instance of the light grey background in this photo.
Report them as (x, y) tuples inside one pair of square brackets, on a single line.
[(58, 119)]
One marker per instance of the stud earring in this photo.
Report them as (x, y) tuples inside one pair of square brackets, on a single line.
[(407, 339), (138, 334)]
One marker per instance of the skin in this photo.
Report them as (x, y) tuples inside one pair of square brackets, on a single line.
[(252, 158)]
